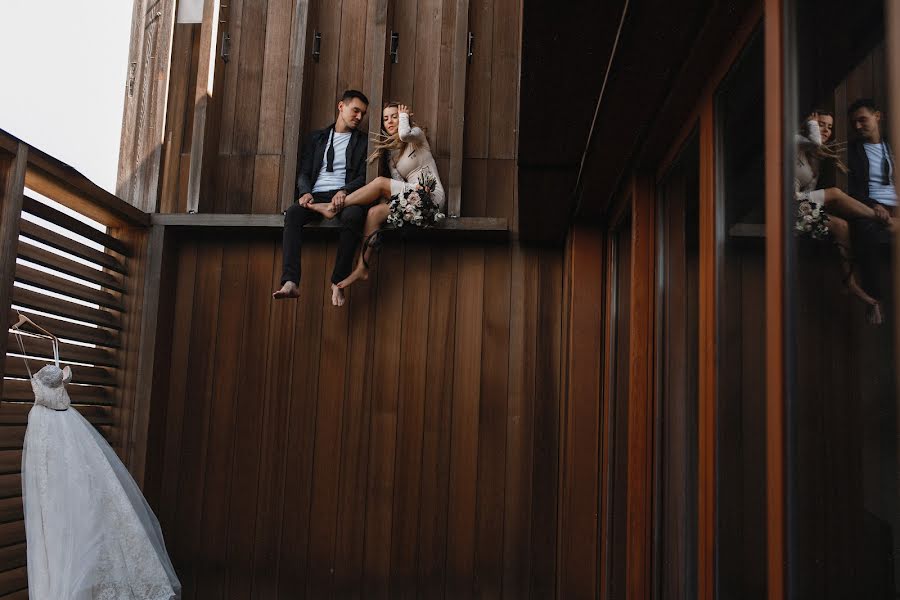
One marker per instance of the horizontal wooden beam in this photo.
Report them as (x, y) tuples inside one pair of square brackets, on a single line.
[(457, 227), (60, 182)]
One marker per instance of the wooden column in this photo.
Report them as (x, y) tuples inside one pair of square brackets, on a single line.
[(12, 188), (296, 73), (202, 93), (706, 411), (641, 390), (775, 299), (581, 420)]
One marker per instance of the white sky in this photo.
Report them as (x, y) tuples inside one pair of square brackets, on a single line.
[(63, 79)]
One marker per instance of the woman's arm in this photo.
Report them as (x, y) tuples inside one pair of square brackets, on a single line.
[(407, 133), (813, 137)]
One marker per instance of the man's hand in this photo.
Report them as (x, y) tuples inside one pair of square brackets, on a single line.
[(305, 199), (881, 213), (337, 201)]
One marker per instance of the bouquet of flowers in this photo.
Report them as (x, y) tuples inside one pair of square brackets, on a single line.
[(811, 219), (416, 206)]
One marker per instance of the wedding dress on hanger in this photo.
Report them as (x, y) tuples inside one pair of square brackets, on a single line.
[(90, 533)]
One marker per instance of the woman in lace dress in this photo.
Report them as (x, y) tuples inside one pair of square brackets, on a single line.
[(823, 213), (409, 157), (90, 533)]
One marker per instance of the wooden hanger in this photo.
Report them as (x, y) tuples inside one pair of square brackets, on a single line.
[(23, 320)]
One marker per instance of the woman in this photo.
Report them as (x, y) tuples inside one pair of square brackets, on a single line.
[(824, 212), (409, 161)]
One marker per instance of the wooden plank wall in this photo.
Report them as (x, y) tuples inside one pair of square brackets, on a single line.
[(247, 114), (405, 445), (492, 92)]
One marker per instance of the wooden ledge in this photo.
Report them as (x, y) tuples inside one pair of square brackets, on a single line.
[(459, 227)]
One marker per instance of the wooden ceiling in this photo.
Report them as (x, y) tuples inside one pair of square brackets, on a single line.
[(574, 150)]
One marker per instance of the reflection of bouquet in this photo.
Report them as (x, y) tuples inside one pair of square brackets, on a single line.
[(811, 219), (416, 206)]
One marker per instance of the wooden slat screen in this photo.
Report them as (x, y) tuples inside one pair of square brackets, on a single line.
[(71, 253)]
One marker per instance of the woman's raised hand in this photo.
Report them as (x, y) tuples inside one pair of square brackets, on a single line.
[(403, 108)]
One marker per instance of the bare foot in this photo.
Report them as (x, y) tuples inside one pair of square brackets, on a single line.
[(337, 295), (326, 210), (360, 272), (288, 290), (873, 314)]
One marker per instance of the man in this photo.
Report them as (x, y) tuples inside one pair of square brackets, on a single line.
[(332, 165), (871, 180)]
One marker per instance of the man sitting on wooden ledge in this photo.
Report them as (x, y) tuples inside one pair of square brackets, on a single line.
[(332, 165)]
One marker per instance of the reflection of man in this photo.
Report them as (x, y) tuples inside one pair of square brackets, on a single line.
[(871, 180), (332, 164)]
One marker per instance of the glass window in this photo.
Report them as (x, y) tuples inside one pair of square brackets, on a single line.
[(842, 401), (741, 329), (675, 564)]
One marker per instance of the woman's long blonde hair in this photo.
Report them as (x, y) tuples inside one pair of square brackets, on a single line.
[(384, 142)]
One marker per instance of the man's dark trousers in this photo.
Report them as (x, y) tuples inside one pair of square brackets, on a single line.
[(352, 219)]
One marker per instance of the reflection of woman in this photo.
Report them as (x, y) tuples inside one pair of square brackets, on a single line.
[(410, 163), (823, 212)]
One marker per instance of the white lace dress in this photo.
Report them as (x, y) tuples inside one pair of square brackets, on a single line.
[(89, 530)]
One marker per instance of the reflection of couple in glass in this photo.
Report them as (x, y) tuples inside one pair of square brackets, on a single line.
[(855, 219), (331, 183)]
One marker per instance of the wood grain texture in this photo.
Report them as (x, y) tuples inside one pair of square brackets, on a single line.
[(418, 444), (12, 182)]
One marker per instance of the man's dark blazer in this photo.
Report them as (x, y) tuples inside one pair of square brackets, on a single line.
[(858, 177), (313, 154)]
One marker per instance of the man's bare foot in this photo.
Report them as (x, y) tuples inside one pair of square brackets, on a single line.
[(326, 210), (360, 272), (288, 290), (337, 295)]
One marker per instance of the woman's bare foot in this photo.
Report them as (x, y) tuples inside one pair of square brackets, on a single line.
[(873, 314), (360, 272), (337, 295), (326, 210), (288, 290)]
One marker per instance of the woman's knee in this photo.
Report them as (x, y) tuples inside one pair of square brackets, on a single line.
[(838, 227)]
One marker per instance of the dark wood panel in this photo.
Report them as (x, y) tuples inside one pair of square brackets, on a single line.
[(59, 241), (403, 445), (383, 426), (478, 80), (410, 408), (13, 581), (56, 306), (464, 425), (16, 390), (12, 557), (71, 331), (67, 352)]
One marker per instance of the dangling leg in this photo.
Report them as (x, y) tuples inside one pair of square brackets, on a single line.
[(841, 232), (380, 187), (374, 220), (839, 203)]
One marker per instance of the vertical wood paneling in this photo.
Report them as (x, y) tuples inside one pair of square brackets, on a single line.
[(427, 64), (520, 423), (12, 186), (383, 428), (229, 73), (403, 73), (464, 432), (198, 392), (232, 327), (405, 445), (274, 76), (478, 80), (332, 360), (410, 408), (436, 425), (351, 516), (302, 420), (504, 78), (351, 61), (580, 445), (325, 72), (492, 423), (249, 423)]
